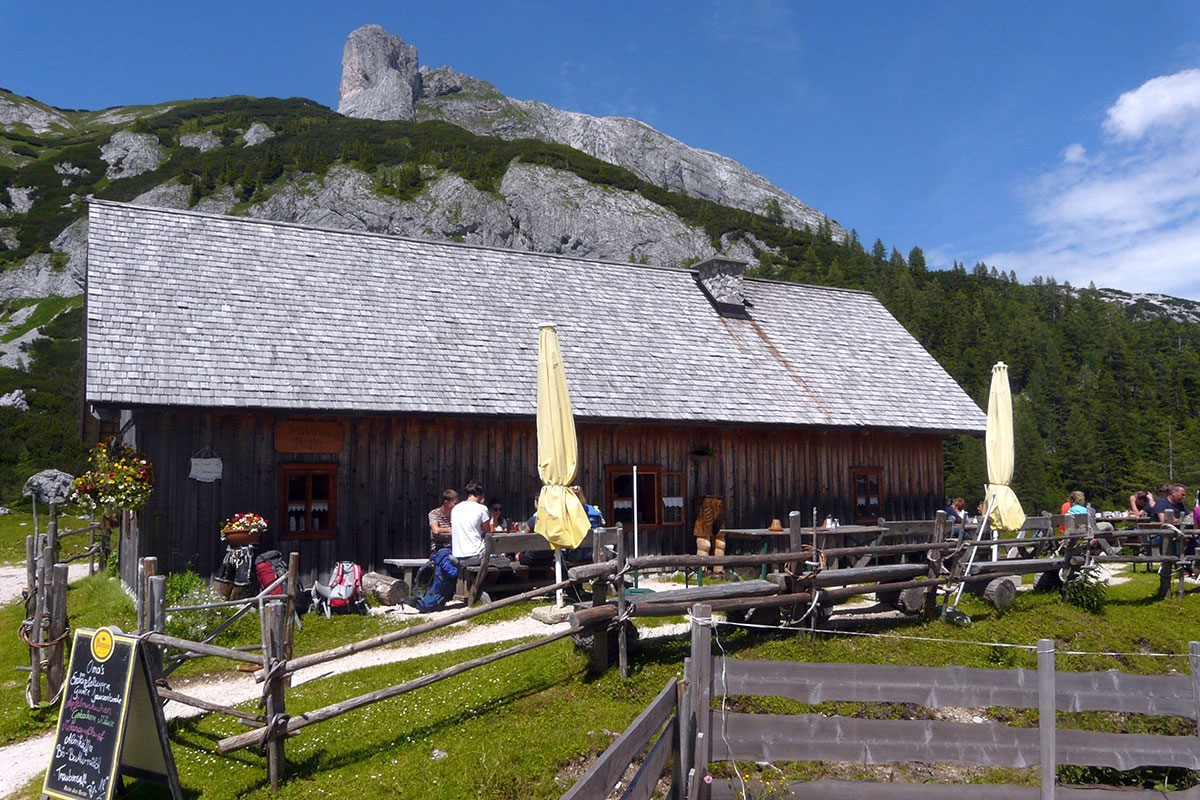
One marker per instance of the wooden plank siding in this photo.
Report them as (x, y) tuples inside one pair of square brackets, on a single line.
[(392, 470)]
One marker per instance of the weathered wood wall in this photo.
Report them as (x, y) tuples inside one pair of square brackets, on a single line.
[(392, 471)]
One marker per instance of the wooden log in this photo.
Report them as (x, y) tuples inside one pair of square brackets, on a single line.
[(389, 590), (311, 660), (1000, 592), (602, 614), (589, 572), (196, 702), (883, 573), (253, 738), (202, 647), (711, 592), (52, 533), (622, 643)]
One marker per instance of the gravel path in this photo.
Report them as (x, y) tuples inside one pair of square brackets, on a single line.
[(23, 761), (12, 580)]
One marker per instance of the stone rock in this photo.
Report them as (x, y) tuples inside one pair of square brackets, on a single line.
[(21, 198), (8, 236), (551, 614), (559, 212), (438, 755), (16, 110), (257, 134), (5, 510), (443, 81), (67, 168), (49, 486), (201, 141), (73, 243), (15, 399), (36, 277), (129, 154), (380, 76)]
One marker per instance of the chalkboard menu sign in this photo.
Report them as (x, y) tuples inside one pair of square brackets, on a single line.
[(111, 722)]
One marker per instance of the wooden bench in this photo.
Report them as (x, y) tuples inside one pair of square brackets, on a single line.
[(407, 567), (473, 580)]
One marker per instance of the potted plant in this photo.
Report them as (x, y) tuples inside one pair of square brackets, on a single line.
[(245, 528), (120, 478)]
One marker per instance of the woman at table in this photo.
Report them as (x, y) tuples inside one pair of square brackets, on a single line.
[(955, 513)]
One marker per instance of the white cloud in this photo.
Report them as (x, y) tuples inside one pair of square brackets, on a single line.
[(1128, 214), (1075, 153), (1167, 101)]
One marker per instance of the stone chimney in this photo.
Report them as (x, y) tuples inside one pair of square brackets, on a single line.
[(721, 281)]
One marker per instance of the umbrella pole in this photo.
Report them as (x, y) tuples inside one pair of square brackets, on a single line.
[(635, 523), (558, 571)]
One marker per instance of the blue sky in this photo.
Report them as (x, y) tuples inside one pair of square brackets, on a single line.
[(1047, 138)]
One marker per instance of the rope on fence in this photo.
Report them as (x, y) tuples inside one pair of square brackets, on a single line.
[(26, 627), (1030, 647)]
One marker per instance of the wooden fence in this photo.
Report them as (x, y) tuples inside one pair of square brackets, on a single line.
[(709, 735), (44, 629)]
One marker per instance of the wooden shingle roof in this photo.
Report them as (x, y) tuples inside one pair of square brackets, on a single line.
[(196, 310)]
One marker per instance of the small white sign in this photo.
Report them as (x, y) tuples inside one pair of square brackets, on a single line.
[(206, 470)]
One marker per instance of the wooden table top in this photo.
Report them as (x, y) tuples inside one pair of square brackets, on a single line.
[(841, 530)]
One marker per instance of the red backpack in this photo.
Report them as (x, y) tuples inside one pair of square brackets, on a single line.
[(344, 592)]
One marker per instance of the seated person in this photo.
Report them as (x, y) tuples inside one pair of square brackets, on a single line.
[(499, 523), (1103, 543), (954, 511), (469, 521), (439, 521), (1141, 504)]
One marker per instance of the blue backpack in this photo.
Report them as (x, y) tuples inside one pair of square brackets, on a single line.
[(441, 585)]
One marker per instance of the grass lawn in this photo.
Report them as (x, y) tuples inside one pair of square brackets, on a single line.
[(522, 727), (16, 526)]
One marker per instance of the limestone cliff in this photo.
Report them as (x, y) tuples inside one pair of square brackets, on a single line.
[(381, 80)]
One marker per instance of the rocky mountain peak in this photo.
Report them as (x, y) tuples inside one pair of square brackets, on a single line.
[(381, 78)]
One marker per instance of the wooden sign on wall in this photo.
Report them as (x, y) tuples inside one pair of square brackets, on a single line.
[(307, 436)]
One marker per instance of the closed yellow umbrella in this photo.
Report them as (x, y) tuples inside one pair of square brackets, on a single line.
[(1005, 511), (560, 515)]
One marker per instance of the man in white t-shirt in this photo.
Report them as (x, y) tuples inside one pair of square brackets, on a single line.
[(469, 521)]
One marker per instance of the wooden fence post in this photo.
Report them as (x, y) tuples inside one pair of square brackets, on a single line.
[(679, 769), (105, 540), (1047, 715), (934, 560), (156, 614), (795, 541), (599, 595), (701, 693), (55, 669), (1194, 661), (37, 633), (30, 571), (148, 569), (52, 533), (274, 648), (293, 593), (622, 647)]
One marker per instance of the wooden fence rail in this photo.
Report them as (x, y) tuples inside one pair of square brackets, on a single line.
[(660, 719), (721, 736)]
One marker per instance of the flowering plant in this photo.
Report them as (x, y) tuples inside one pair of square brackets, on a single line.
[(248, 521), (120, 477)]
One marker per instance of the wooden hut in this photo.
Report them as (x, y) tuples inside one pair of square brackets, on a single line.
[(344, 379)]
